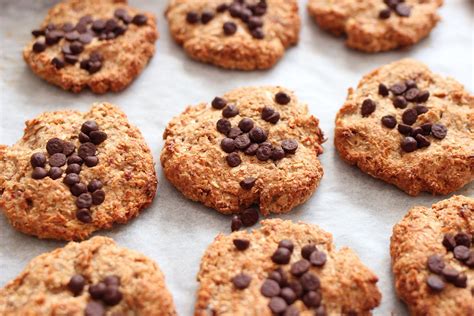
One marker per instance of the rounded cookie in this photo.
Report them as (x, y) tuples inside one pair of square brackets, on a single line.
[(377, 25), (102, 45), (432, 253), (242, 34), (254, 145), (73, 173), (94, 277), (283, 268), (409, 127)]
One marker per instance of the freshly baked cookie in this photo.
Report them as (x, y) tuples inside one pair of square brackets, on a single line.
[(432, 253), (73, 173), (409, 127), (255, 145), (91, 278), (238, 34), (283, 268), (377, 25), (99, 44)]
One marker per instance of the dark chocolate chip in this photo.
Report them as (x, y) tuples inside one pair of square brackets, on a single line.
[(249, 217), (76, 48), (39, 46), (242, 142), (84, 215), (94, 185), (421, 109), (400, 102), (435, 283), (251, 150), (83, 138), (39, 173), (270, 288), (286, 243), (112, 295), (246, 124), (412, 94), (76, 284), (75, 159), (57, 160), (78, 188), (241, 244), (423, 96), (222, 7), (230, 110), (310, 282), (91, 161), (463, 239), (223, 126), (89, 126), (398, 88), (233, 159), (277, 153), (228, 145), (281, 256), (97, 291), (247, 183), (409, 144), (318, 258), (72, 36), (98, 197), (383, 90), (389, 121), (229, 28), (139, 19), (404, 129), (97, 137), (270, 115), (289, 146), (410, 84), (450, 274), (192, 17), (218, 103), (58, 63), (426, 129), (470, 261), (288, 295), (422, 141), (86, 150), (241, 281), (461, 281), (37, 33), (439, 131), (435, 264), (258, 135), (409, 116), (234, 132), (71, 179), (461, 253), (402, 9), (384, 14), (112, 280), (320, 311), (257, 33), (236, 223), (94, 308), (254, 22), (277, 305), (38, 160), (307, 250), (282, 98), (449, 242), (84, 200), (296, 287), (73, 168), (54, 146), (300, 267), (206, 17), (55, 173), (415, 131), (312, 299), (264, 153)]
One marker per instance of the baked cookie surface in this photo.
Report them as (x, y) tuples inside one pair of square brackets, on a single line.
[(409, 127), (98, 44), (283, 268), (245, 35), (73, 173), (377, 25), (432, 253), (255, 145), (92, 278)]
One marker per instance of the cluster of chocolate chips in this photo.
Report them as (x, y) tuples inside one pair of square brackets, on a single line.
[(404, 93), (63, 152), (249, 13), (105, 292), (397, 6), (247, 218), (282, 289), (459, 245), (74, 38)]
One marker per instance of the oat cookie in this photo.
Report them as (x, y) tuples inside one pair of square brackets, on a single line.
[(237, 34), (377, 25), (73, 173), (255, 145), (283, 268), (92, 278), (98, 44), (432, 253), (409, 127)]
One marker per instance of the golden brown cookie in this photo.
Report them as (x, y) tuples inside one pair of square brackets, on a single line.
[(377, 25), (409, 127), (283, 268), (245, 35), (255, 145), (99, 44), (73, 173), (92, 278), (432, 253)]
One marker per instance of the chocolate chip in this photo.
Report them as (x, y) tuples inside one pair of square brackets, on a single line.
[(97, 137), (37, 33), (91, 161), (450, 273), (55, 173), (85, 38), (76, 48), (461, 253), (277, 305), (112, 280), (423, 96), (222, 7), (435, 283), (242, 142), (228, 145), (270, 115), (223, 126), (435, 264), (38, 160), (233, 159), (282, 98), (310, 282), (71, 179), (57, 160), (235, 9), (410, 84), (86, 150), (230, 110), (461, 281), (251, 150), (254, 22), (264, 153), (218, 103), (234, 132), (312, 299), (320, 311), (84, 200), (54, 146), (463, 239), (247, 183), (75, 159), (257, 33), (39, 46), (384, 14), (84, 215), (270, 288), (426, 129), (281, 256), (72, 36), (289, 146), (277, 153), (288, 295), (96, 291), (249, 217), (402, 9), (421, 109), (404, 129), (76, 284), (83, 138), (389, 121), (139, 19), (318, 258), (206, 17), (192, 17), (398, 88), (53, 37), (94, 308), (300, 267), (68, 27), (78, 188), (89, 126), (257, 135), (286, 243), (409, 116), (383, 90), (39, 173), (241, 281), (412, 94), (449, 242), (112, 295), (307, 250), (439, 131), (229, 28), (73, 168), (470, 261), (98, 197), (236, 223), (94, 185), (241, 244), (296, 287), (422, 141), (246, 124), (409, 144), (400, 102)]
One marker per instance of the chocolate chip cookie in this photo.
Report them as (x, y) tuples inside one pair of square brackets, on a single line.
[(101, 45), (238, 34), (409, 127), (73, 173), (283, 268), (432, 253), (91, 278), (377, 25), (255, 145)]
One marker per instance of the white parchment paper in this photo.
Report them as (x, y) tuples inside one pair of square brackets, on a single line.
[(357, 209)]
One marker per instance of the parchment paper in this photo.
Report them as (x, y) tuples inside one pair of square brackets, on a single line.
[(357, 209)]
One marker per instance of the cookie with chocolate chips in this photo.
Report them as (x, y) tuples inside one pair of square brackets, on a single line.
[(73, 173), (432, 253), (237, 34), (92, 278), (377, 25), (226, 155), (409, 127), (283, 268), (101, 45)]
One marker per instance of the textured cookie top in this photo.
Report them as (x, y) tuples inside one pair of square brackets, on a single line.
[(409, 127), (283, 267), (432, 252), (252, 145), (247, 35), (73, 173), (92, 278), (377, 25), (102, 45)]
